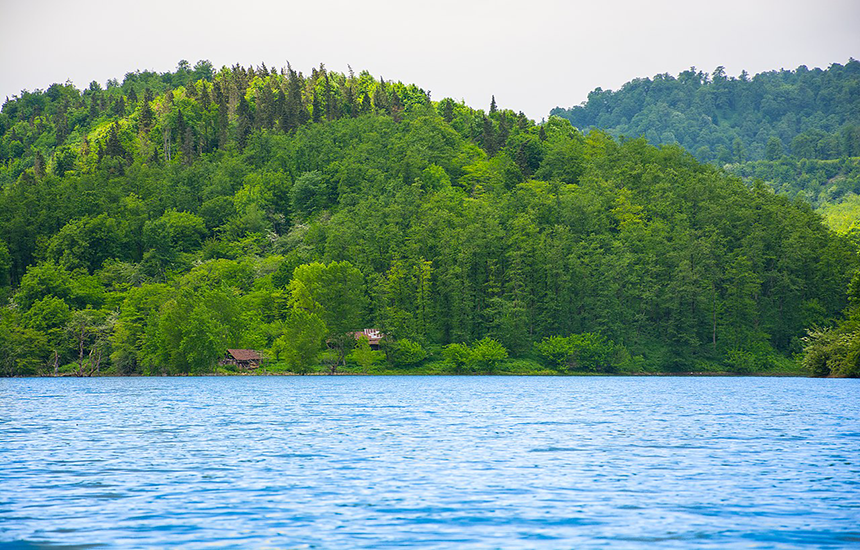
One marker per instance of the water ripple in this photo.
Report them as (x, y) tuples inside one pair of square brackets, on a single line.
[(429, 462)]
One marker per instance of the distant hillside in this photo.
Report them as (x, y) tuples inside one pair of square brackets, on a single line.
[(799, 130)]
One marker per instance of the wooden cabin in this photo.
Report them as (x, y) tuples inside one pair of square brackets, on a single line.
[(247, 359), (374, 336)]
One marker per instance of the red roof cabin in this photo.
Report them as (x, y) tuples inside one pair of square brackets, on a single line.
[(247, 359)]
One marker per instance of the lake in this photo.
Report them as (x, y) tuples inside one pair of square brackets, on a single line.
[(447, 462)]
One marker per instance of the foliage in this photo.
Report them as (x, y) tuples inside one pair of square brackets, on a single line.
[(213, 212), (796, 130), (588, 352), (364, 355), (301, 342), (835, 350), (408, 353), (486, 355), (457, 356)]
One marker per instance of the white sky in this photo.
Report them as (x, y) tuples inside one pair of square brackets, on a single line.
[(533, 55)]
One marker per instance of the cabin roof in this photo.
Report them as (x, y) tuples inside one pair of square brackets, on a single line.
[(372, 334), (244, 354)]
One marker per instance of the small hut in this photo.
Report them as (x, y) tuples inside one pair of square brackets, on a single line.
[(374, 336), (247, 359)]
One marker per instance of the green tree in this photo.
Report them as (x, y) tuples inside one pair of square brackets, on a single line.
[(335, 293), (302, 340), (486, 355)]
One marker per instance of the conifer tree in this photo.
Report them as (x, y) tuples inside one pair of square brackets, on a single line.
[(146, 116), (223, 113), (317, 108), (366, 105), (39, 165), (94, 107), (280, 107), (488, 137), (263, 115), (180, 124), (349, 105), (380, 96), (187, 146), (205, 101), (396, 106), (448, 111), (504, 130), (119, 107), (61, 123), (132, 97), (493, 107), (329, 100), (114, 146), (296, 113), (244, 121)]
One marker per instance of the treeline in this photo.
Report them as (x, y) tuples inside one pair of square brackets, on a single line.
[(252, 208), (773, 120)]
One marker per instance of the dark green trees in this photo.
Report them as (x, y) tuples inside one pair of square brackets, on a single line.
[(236, 221)]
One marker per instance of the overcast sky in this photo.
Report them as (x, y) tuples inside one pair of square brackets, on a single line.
[(532, 54)]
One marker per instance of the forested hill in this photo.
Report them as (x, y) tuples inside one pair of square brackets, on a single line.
[(149, 226), (797, 130)]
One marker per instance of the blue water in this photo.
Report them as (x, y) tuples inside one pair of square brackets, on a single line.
[(447, 462)]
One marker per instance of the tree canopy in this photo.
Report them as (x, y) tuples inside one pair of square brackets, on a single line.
[(153, 224), (797, 130)]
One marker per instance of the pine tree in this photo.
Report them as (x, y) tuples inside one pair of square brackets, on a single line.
[(349, 106), (180, 125), (493, 108), (114, 146), (504, 130), (522, 121), (223, 114), (296, 114), (396, 106), (448, 111), (132, 97), (488, 137), (264, 108), (380, 96), (94, 107), (280, 108), (61, 123), (38, 165), (329, 99), (244, 121), (187, 146), (317, 108), (146, 116), (205, 101), (119, 107)]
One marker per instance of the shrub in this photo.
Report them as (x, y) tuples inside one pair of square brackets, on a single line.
[(587, 351), (408, 353), (487, 354), (457, 355), (554, 350)]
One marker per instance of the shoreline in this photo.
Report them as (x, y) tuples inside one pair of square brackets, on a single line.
[(474, 375)]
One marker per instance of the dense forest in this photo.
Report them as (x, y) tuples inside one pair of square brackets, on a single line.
[(152, 224), (798, 131)]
